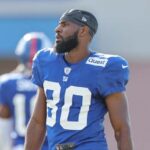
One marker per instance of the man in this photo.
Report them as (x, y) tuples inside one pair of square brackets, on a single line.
[(76, 88), (17, 92)]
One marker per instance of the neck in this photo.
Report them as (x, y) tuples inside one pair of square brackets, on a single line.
[(76, 55)]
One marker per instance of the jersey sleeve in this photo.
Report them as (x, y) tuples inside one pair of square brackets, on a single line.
[(114, 77), (36, 72), (3, 92)]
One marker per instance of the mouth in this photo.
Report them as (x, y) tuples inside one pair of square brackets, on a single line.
[(58, 38)]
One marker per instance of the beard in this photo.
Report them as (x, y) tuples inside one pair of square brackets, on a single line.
[(67, 44)]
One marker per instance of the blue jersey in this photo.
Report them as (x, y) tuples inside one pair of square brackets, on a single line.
[(76, 94), (18, 93)]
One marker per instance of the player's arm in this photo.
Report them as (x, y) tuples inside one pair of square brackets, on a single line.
[(119, 117), (4, 111), (37, 124)]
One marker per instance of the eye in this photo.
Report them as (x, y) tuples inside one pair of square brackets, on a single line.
[(63, 24)]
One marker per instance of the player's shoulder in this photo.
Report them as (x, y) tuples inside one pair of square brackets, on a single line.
[(9, 77), (45, 54), (110, 60)]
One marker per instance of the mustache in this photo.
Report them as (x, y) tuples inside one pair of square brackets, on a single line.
[(58, 36)]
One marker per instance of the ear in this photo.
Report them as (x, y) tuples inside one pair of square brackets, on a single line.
[(84, 31)]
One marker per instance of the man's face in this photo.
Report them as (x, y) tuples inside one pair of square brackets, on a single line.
[(66, 37)]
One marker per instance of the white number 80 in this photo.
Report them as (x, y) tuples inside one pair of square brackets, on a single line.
[(68, 99)]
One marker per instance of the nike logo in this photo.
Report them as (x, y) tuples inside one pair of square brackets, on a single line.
[(124, 66)]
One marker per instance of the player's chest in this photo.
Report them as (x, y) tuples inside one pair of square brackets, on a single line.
[(74, 82), (81, 76)]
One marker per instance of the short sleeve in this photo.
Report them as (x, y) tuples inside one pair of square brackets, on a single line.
[(36, 72), (2, 93), (114, 77)]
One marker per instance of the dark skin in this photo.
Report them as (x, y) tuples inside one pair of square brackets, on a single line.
[(116, 103), (37, 122), (4, 112), (119, 117)]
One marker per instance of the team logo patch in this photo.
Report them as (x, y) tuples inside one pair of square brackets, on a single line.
[(97, 61)]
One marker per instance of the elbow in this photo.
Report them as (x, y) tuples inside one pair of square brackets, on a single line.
[(123, 131), (123, 138)]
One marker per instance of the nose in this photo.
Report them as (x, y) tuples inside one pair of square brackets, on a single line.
[(58, 29)]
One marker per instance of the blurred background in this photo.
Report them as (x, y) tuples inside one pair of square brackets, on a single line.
[(124, 29)]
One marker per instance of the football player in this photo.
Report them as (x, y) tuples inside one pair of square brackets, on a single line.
[(17, 92), (78, 87)]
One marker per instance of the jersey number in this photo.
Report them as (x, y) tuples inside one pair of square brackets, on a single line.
[(20, 112), (68, 100)]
